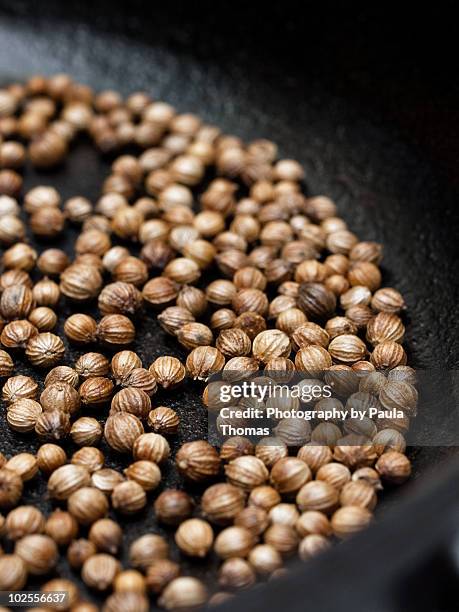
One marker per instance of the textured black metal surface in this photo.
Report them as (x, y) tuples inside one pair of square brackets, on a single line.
[(368, 123)]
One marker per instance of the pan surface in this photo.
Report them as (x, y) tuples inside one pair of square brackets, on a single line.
[(349, 113)]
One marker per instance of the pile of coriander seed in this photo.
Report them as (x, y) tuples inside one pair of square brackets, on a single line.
[(216, 239)]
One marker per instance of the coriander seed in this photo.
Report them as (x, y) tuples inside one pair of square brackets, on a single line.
[(173, 318), (99, 571), (246, 472), (62, 374), (19, 387), (6, 364), (160, 573), (183, 593), (94, 366), (312, 545), (39, 553), (335, 474), (282, 538), (173, 507), (67, 479), (62, 527), (89, 457), (289, 474), (141, 379), (163, 420), (43, 318), (198, 460), (106, 479), (151, 447), (133, 401), (80, 282), (147, 549), (389, 439), (115, 330), (317, 495), (194, 537), (253, 518), (270, 344), (168, 371), (23, 414), (233, 542), (123, 364), (130, 581), (79, 551), (60, 396), (95, 390), (221, 503), (50, 457), (106, 535), (45, 350), (146, 473), (13, 572), (121, 431), (369, 476), (394, 467), (17, 334), (128, 497), (16, 302), (22, 521), (203, 361), (23, 464), (52, 425), (358, 494), (265, 559), (350, 519), (86, 431), (80, 328), (313, 522), (120, 298)]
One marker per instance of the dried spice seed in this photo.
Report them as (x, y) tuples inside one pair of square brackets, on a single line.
[(60, 396), (39, 553), (173, 506), (297, 291), (96, 390), (62, 374), (89, 457), (45, 350), (146, 473), (147, 549), (128, 497), (23, 464), (194, 537), (168, 371), (13, 572), (50, 457), (99, 571), (130, 582), (11, 487), (62, 527), (67, 479), (52, 425), (183, 592), (197, 460), (246, 472), (23, 414), (222, 502), (121, 431), (163, 420), (80, 328), (131, 400)]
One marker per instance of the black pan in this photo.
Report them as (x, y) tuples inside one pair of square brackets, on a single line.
[(371, 113)]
